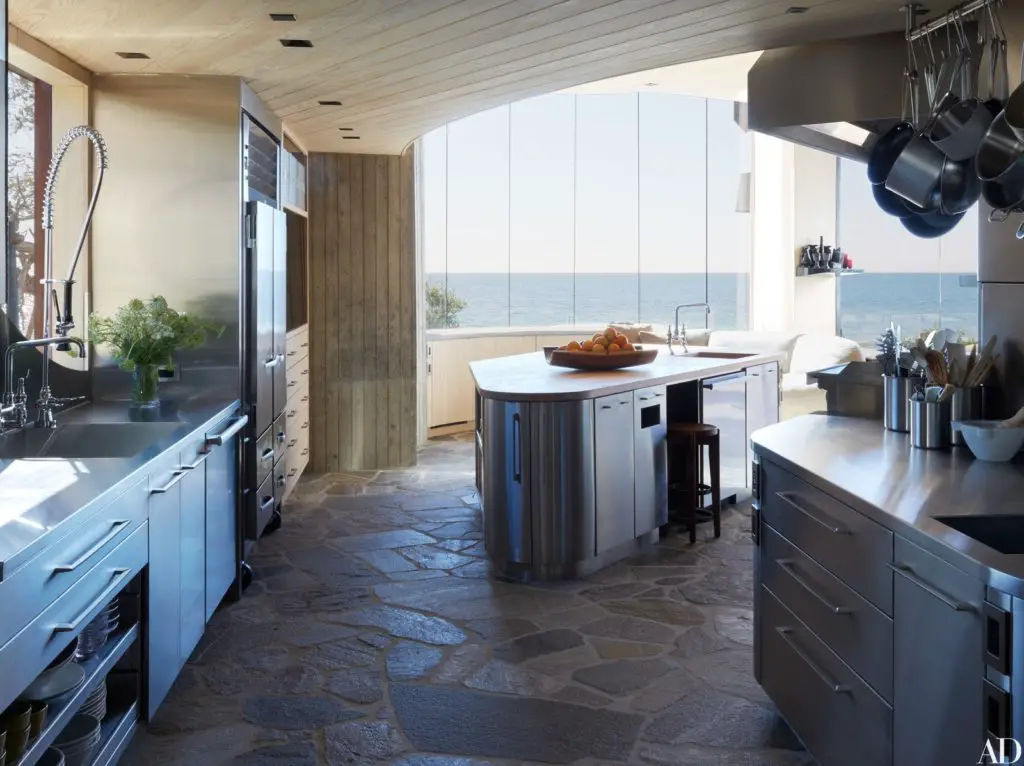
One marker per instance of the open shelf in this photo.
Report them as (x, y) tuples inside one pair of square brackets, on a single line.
[(61, 709), (122, 714), (805, 272)]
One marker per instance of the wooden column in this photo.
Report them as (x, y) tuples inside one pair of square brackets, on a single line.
[(362, 311)]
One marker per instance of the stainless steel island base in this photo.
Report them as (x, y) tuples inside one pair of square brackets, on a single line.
[(570, 487)]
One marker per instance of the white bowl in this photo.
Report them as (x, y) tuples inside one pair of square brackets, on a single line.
[(988, 442)]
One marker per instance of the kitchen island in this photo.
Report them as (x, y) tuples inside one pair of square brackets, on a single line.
[(889, 620), (572, 465)]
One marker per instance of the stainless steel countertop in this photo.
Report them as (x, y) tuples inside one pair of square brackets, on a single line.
[(44, 499), (529, 378), (878, 473)]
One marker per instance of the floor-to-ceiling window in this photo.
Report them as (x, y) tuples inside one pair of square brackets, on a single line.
[(584, 209), (916, 284)]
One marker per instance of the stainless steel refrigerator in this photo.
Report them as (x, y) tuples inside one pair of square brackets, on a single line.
[(265, 386)]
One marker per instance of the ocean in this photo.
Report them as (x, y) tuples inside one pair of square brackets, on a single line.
[(868, 302)]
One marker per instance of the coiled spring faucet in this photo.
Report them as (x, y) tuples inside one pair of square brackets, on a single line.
[(57, 323)]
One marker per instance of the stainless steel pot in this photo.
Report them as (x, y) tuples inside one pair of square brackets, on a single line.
[(999, 156), (916, 174), (960, 126)]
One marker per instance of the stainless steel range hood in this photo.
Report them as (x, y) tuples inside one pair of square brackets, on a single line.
[(835, 96)]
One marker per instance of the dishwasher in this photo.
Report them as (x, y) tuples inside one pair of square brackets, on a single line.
[(723, 403)]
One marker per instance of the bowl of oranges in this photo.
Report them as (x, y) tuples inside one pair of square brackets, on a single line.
[(607, 350)]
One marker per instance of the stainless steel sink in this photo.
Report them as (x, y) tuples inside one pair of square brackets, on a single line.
[(718, 354), (84, 440), (1001, 533)]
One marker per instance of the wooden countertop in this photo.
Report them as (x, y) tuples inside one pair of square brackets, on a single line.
[(528, 377)]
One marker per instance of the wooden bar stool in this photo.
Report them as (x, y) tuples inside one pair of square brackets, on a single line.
[(686, 442)]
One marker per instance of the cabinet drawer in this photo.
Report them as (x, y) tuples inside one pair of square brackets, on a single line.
[(265, 454), (850, 626), (942, 580), (296, 345), (43, 579), (837, 716), (296, 419), (31, 650), (297, 375), (849, 545)]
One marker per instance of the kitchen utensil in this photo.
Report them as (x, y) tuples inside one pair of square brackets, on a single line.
[(988, 440), (921, 228), (53, 683), (38, 717), (959, 185), (956, 353), (929, 424), (584, 360), (890, 202), (960, 126), (66, 655), (896, 394), (936, 367), (886, 345), (886, 149), (964, 404)]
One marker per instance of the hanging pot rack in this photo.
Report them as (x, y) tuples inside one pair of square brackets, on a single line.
[(957, 14)]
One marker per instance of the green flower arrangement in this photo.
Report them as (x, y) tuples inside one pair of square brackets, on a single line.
[(143, 336)]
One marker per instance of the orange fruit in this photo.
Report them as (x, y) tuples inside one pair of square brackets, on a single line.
[(621, 340), (599, 349), (628, 347), (588, 345), (613, 348), (574, 345), (610, 333)]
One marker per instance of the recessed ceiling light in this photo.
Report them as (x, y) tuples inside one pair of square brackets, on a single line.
[(282, 17), (132, 55), (297, 43), (797, 9), (351, 138), (346, 128), (650, 85), (329, 103)]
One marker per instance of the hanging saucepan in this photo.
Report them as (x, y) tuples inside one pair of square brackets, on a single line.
[(999, 158), (922, 226), (886, 149), (917, 171), (959, 127), (1014, 110), (959, 186)]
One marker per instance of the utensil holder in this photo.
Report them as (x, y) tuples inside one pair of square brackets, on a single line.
[(896, 400), (965, 404), (929, 424)]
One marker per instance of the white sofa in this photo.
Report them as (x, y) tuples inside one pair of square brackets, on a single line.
[(803, 353)]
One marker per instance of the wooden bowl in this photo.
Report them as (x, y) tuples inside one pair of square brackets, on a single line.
[(585, 360)]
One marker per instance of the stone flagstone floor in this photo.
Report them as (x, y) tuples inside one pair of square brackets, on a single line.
[(374, 634)]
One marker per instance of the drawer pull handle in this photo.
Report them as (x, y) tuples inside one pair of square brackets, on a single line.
[(306, 424), (293, 442), (835, 687), (304, 372), (199, 461), (305, 344), (292, 383), (292, 353), (115, 529), (268, 454), (789, 567), (304, 399), (907, 572), (280, 481), (220, 439), (175, 478), (305, 451), (830, 525), (292, 413), (293, 472), (267, 503), (66, 627)]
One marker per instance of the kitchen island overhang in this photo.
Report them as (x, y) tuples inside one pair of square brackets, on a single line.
[(573, 465)]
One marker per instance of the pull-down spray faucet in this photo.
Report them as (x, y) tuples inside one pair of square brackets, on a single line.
[(56, 322)]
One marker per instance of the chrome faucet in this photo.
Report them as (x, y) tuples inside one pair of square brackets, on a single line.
[(678, 335), (56, 324)]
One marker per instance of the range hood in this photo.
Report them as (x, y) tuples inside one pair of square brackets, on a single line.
[(836, 96)]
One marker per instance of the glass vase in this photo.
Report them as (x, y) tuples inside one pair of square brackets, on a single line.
[(144, 386)]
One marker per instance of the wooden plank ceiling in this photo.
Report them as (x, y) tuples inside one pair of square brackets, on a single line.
[(403, 67)]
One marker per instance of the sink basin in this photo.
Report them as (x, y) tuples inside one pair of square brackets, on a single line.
[(1002, 533), (84, 440), (718, 354)]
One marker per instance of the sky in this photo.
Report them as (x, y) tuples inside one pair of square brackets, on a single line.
[(613, 183)]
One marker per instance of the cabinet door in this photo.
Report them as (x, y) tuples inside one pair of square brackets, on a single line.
[(221, 522), (164, 580), (614, 503), (192, 598), (506, 469), (650, 463), (724, 404), (938, 660)]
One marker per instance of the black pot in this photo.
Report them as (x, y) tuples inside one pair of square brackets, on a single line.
[(931, 225), (959, 186), (890, 202), (885, 151)]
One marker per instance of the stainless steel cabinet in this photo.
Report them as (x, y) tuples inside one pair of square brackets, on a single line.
[(192, 593), (164, 602), (506, 489), (614, 501), (221, 515), (724, 404), (650, 450), (938, 660), (762, 402)]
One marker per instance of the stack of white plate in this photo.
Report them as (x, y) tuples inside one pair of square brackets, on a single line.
[(79, 740), (96, 704), (94, 636)]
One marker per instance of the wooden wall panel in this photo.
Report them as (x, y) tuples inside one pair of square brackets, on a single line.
[(362, 313)]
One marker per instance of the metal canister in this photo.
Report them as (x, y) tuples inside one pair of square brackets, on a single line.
[(929, 424), (965, 404), (896, 396)]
